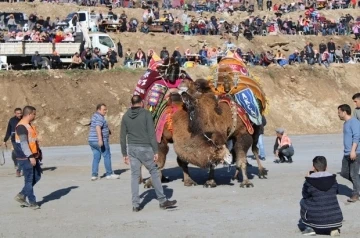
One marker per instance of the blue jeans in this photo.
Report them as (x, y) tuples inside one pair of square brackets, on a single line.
[(260, 145), (32, 175), (97, 152)]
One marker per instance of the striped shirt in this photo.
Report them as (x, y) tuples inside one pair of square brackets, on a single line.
[(98, 120)]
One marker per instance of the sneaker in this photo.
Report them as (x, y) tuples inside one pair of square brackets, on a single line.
[(34, 206), (167, 204), (353, 198), (113, 176), (335, 232), (21, 199), (309, 232), (137, 209), (93, 178)]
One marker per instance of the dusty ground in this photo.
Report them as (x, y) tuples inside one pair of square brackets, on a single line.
[(73, 206)]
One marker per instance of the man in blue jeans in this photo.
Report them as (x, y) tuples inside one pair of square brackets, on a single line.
[(29, 156), (99, 143), (351, 160), (260, 143)]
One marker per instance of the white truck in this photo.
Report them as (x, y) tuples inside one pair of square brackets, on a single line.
[(19, 54)]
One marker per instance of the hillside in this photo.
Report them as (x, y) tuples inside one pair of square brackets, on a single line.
[(302, 99)]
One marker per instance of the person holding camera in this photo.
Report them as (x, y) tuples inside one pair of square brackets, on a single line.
[(319, 208)]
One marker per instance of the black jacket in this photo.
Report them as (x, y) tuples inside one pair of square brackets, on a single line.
[(10, 132), (319, 205)]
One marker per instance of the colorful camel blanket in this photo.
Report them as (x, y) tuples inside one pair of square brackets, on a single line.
[(242, 114), (248, 101), (165, 118)]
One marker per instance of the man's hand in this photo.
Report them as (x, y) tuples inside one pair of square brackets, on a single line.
[(100, 143), (126, 160), (4, 144), (352, 155), (277, 153), (156, 157), (33, 161)]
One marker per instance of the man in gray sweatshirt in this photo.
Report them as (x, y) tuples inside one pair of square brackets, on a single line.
[(351, 160), (356, 99), (139, 147)]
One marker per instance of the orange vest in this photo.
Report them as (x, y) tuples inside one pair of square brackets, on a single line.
[(32, 137)]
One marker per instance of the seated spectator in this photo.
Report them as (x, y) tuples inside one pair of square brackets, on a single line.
[(294, 57), (129, 57), (149, 56), (55, 61), (164, 53), (97, 59), (144, 28), (76, 62), (140, 56), (283, 147), (111, 57), (68, 37), (339, 57), (319, 207), (37, 61), (247, 34), (19, 36), (325, 58), (203, 56)]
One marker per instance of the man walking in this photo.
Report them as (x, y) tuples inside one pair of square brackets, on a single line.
[(28, 155), (99, 143), (260, 144), (139, 147), (351, 160), (10, 133)]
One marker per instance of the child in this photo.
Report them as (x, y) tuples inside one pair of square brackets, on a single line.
[(320, 211)]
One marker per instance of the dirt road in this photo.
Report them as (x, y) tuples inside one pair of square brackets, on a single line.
[(73, 206)]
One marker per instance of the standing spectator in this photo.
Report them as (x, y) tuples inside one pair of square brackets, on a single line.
[(29, 155), (283, 147), (322, 47), (120, 49), (10, 133), (139, 147), (260, 143), (99, 143), (331, 49), (320, 211), (351, 160), (268, 5), (356, 99)]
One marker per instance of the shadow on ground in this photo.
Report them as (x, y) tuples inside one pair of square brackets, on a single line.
[(49, 168), (117, 172), (150, 194), (56, 195)]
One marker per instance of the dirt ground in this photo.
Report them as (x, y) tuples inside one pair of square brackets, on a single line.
[(73, 206)]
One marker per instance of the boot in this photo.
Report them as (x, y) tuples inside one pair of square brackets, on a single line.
[(282, 159), (167, 204), (290, 160), (353, 198)]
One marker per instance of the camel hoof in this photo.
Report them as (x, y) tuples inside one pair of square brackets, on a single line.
[(246, 184), (189, 183), (210, 184), (148, 184)]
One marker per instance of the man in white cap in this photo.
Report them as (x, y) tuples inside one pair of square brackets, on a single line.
[(283, 147)]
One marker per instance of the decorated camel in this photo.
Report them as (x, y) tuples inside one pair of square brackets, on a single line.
[(159, 89)]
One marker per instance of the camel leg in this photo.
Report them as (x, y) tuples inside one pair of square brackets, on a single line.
[(210, 183), (187, 179), (241, 147), (262, 170), (163, 149)]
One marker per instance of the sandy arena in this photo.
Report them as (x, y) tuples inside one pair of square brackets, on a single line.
[(73, 206)]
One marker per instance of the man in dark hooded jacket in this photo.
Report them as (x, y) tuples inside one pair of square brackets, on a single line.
[(320, 211), (139, 147)]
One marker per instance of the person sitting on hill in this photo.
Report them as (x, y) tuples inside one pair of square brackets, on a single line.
[(76, 62), (283, 147), (140, 56), (319, 207), (129, 56)]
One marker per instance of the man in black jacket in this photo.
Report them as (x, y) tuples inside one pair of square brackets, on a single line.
[(10, 133), (322, 47), (139, 147), (164, 53), (320, 211), (331, 48)]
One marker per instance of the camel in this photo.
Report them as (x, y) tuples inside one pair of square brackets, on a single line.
[(203, 117), (205, 150)]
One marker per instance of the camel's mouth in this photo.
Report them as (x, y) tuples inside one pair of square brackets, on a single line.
[(225, 155)]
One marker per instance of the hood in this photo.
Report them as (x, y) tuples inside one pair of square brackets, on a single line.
[(321, 180), (135, 111)]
